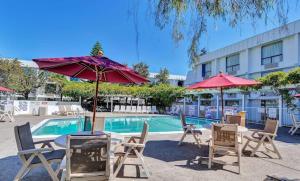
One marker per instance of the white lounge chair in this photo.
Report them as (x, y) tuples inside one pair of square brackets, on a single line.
[(128, 109), (139, 109), (8, 113), (144, 109), (117, 108), (154, 110), (148, 109), (123, 109), (133, 109), (296, 124), (171, 110)]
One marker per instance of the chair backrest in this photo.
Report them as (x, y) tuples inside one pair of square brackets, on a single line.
[(234, 119), (183, 120), (116, 109), (293, 117), (128, 108), (225, 135), (68, 108), (23, 138), (144, 136), (122, 108), (61, 108), (99, 124), (271, 126), (149, 108), (88, 156), (87, 126), (139, 109), (133, 108), (153, 108)]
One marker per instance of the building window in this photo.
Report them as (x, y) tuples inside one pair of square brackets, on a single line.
[(233, 63), (271, 53), (206, 70)]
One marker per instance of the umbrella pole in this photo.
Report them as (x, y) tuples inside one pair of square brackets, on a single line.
[(222, 104), (95, 100)]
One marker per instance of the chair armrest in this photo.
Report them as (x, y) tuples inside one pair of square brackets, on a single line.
[(265, 133), (37, 150), (133, 145), (190, 126)]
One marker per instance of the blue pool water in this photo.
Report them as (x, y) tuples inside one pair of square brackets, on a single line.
[(132, 124)]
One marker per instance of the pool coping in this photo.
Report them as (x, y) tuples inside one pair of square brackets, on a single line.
[(38, 125)]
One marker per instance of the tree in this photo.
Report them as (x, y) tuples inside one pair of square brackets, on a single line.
[(97, 49), (60, 81), (162, 76), (142, 69), (189, 19), (22, 80), (30, 80)]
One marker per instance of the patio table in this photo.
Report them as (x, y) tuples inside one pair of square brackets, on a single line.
[(116, 139)]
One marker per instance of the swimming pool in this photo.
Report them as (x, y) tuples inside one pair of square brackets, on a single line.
[(124, 125)]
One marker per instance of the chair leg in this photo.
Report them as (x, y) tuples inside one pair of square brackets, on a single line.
[(122, 162), (182, 138), (24, 168), (143, 162), (295, 129), (275, 149), (256, 148), (48, 167), (210, 157), (245, 146), (197, 141), (239, 161), (291, 130)]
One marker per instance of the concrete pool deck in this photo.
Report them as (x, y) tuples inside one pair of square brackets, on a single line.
[(167, 161)]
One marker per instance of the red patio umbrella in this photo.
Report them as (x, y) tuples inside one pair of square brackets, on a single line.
[(4, 89), (223, 81), (96, 68)]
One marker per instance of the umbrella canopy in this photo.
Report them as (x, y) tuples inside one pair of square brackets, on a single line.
[(223, 81), (96, 68), (4, 89), (297, 95)]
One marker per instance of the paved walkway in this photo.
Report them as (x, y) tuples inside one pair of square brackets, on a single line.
[(167, 161)]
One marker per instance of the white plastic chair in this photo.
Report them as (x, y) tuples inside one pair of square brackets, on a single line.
[(117, 108), (153, 109), (144, 109), (139, 109), (148, 109), (122, 109), (133, 109), (128, 109)]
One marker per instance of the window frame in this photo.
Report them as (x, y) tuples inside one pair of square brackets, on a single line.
[(207, 73), (234, 65), (263, 59)]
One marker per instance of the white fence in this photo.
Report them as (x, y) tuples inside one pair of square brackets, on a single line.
[(23, 107), (253, 114)]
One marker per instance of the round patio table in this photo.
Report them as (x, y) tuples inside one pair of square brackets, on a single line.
[(61, 141)]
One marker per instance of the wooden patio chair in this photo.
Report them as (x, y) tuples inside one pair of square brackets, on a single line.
[(235, 119), (87, 158), (133, 149), (98, 126), (32, 157), (296, 124), (263, 137), (224, 138), (190, 129)]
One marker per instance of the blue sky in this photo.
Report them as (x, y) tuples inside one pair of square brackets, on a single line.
[(58, 28)]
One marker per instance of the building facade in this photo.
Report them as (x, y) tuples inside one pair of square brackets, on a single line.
[(274, 50), (271, 51), (175, 80)]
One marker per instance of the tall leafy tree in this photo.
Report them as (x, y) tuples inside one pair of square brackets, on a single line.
[(162, 76), (142, 69), (97, 49), (189, 19)]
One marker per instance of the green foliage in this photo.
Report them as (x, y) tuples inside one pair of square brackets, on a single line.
[(189, 19), (60, 81), (274, 79), (162, 76), (161, 95), (293, 76), (97, 49), (142, 69), (22, 80)]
